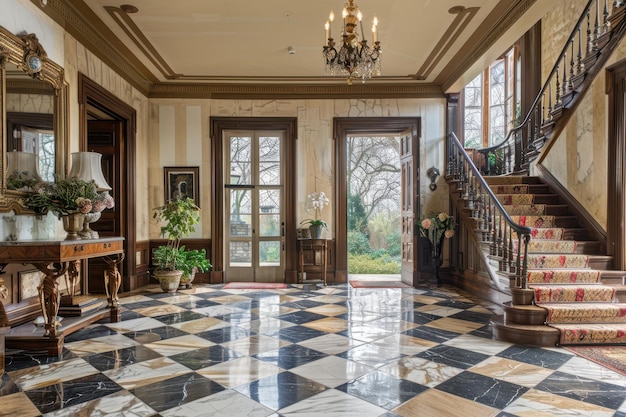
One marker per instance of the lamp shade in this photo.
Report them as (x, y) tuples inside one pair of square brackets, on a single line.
[(24, 163), (88, 166)]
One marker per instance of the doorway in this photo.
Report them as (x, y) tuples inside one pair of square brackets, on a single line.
[(253, 199), (254, 194), (408, 129), (118, 146), (373, 181)]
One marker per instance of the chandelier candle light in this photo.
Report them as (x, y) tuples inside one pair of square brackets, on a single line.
[(355, 57)]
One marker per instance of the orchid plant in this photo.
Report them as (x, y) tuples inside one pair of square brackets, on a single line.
[(315, 202)]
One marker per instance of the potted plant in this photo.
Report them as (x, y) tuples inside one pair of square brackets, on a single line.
[(190, 262), (178, 218), (315, 202), (70, 200)]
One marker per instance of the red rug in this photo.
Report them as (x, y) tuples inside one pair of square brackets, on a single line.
[(254, 285), (378, 284), (612, 357)]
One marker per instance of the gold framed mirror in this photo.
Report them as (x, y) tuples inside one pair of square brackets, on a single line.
[(33, 106)]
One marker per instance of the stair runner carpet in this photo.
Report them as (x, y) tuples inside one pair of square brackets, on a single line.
[(577, 304)]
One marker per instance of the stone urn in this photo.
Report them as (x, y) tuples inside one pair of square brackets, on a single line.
[(168, 280)]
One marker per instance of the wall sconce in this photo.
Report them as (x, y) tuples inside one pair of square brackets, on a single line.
[(432, 173)]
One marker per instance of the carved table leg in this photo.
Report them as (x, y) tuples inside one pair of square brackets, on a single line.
[(112, 283), (71, 278), (49, 295)]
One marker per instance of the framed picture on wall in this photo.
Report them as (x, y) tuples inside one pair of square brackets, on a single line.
[(181, 182)]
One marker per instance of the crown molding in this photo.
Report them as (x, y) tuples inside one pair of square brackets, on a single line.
[(274, 91)]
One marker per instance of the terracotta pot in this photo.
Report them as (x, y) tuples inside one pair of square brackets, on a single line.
[(169, 280)]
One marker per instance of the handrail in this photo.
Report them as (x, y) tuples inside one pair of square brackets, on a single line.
[(496, 225), (523, 142)]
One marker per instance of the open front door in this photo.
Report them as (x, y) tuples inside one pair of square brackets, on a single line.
[(409, 206)]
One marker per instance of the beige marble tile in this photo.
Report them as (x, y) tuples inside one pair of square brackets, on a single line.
[(160, 310), (328, 299), (266, 325), (420, 370), (406, 345), (200, 325), (541, 403), (478, 344), (135, 325), (180, 299), (434, 403), (134, 299), (426, 299), (18, 404), (455, 325), (239, 371), (332, 371), (175, 345), (328, 325), (54, 373), (512, 371), (229, 299), (146, 373), (121, 403), (255, 344), (100, 344), (329, 310), (272, 310), (438, 310), (331, 344), (227, 403)]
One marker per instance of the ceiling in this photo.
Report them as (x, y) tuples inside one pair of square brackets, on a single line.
[(427, 45)]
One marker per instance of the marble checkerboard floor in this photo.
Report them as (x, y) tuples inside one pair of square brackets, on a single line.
[(336, 351)]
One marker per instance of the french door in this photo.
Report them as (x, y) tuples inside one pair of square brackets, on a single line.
[(254, 224)]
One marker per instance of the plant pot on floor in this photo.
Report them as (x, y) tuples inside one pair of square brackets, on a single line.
[(168, 280), (187, 279)]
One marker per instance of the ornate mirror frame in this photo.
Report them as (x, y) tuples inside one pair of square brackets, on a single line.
[(27, 54)]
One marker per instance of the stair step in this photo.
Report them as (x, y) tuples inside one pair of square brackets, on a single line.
[(546, 199), (566, 222), (513, 179), (535, 335), (571, 293), (586, 313), (557, 209), (525, 314), (591, 334)]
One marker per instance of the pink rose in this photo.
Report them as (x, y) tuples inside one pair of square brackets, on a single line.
[(449, 233), (426, 223)]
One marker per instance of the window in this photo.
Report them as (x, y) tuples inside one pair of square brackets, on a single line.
[(490, 101)]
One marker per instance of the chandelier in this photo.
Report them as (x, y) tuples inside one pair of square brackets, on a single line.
[(355, 58)]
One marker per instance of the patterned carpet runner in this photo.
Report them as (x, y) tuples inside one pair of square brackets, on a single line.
[(577, 304)]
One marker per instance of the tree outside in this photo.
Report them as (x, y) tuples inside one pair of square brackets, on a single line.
[(373, 205)]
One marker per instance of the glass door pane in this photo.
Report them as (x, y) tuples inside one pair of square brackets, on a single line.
[(254, 251)]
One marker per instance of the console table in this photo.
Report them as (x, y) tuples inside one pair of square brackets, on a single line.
[(316, 252), (55, 258)]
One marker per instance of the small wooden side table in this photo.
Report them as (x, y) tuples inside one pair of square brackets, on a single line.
[(316, 251)]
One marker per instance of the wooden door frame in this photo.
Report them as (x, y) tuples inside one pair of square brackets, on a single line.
[(342, 127), (218, 126), (92, 94), (616, 164)]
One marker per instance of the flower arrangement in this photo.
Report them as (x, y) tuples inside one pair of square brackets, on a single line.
[(315, 202), (436, 227), (67, 196)]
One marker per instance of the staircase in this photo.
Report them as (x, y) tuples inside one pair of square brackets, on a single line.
[(532, 247), (565, 274)]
